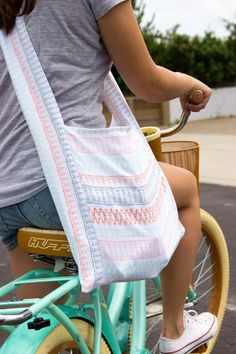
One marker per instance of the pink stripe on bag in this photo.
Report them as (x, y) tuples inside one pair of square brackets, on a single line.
[(114, 180), (114, 145), (130, 250)]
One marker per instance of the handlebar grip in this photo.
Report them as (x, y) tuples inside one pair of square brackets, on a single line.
[(196, 97)]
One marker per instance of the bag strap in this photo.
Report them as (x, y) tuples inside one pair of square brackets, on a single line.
[(117, 105)]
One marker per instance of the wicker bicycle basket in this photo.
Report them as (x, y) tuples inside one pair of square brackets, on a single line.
[(183, 154)]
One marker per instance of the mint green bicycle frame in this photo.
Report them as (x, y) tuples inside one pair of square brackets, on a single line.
[(111, 319), (107, 320)]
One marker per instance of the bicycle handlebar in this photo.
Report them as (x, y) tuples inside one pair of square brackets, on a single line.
[(15, 319), (195, 98)]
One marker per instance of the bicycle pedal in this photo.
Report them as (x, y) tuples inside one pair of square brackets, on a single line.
[(38, 323)]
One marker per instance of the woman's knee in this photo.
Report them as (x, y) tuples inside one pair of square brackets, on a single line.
[(190, 187), (183, 184)]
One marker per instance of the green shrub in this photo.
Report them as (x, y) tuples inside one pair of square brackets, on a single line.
[(208, 58)]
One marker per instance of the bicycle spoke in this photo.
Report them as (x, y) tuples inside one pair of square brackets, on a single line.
[(200, 263), (155, 349), (203, 281), (201, 244), (203, 263), (149, 331), (205, 293), (206, 271)]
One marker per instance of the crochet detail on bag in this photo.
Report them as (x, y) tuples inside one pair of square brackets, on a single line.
[(121, 216)]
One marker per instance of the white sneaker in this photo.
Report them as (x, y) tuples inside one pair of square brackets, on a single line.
[(198, 330)]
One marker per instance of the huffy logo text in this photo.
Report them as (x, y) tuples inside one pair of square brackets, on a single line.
[(45, 243)]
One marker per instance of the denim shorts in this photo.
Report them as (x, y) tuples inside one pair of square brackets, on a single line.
[(38, 211)]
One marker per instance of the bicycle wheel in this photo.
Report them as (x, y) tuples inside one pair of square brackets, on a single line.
[(210, 283), (59, 340)]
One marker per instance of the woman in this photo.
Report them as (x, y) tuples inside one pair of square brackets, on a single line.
[(76, 42)]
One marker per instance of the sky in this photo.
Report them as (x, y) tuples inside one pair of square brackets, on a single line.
[(194, 17)]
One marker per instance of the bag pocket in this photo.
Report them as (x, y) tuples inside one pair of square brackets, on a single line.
[(117, 153)]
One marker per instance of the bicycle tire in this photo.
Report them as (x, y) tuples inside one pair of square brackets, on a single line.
[(210, 281), (59, 340), (220, 274)]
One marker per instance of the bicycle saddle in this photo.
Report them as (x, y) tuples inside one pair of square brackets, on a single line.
[(45, 242)]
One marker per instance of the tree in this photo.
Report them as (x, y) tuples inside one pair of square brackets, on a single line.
[(230, 67), (208, 58)]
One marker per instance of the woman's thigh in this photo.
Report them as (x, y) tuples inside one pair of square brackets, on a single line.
[(38, 211)]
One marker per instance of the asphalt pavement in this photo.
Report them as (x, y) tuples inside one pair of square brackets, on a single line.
[(217, 138)]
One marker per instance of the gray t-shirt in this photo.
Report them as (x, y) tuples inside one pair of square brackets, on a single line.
[(67, 40)]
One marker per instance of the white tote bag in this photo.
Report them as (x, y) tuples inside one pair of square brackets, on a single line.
[(113, 200)]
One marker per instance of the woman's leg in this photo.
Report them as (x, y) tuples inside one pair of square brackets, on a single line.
[(177, 276)]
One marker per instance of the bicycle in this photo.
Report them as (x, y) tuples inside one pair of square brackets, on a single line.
[(122, 321)]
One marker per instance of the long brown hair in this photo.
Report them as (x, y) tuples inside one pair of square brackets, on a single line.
[(10, 9)]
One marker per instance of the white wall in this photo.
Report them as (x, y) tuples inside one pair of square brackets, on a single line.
[(222, 104)]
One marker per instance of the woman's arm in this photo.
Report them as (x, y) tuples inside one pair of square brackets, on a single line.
[(125, 44)]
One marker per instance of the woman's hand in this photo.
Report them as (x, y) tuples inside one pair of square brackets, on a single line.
[(186, 103)]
